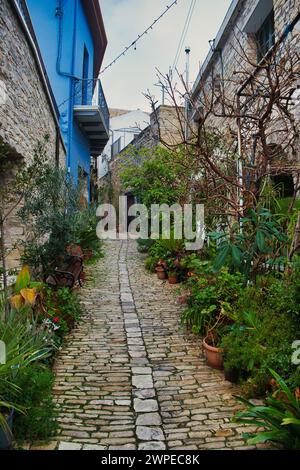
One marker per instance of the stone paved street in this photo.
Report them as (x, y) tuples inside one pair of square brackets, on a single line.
[(129, 377)]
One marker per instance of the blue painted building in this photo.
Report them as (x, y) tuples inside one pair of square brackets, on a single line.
[(72, 42)]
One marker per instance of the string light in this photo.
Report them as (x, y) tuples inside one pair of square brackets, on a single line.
[(133, 44)]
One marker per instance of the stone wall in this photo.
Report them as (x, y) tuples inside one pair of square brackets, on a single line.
[(164, 128), (228, 61), (25, 111)]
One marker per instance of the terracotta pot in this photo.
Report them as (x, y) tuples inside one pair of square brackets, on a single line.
[(213, 355), (173, 279), (161, 274)]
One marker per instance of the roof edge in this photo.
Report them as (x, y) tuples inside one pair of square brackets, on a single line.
[(231, 13)]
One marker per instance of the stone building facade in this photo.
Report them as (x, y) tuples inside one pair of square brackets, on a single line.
[(164, 129), (257, 38), (242, 32), (27, 109)]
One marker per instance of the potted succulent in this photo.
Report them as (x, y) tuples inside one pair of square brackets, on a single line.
[(161, 269)]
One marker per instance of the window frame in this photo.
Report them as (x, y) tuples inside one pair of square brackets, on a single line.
[(265, 36)]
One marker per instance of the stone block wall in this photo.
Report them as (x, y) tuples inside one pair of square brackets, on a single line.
[(165, 127), (228, 60), (25, 111)]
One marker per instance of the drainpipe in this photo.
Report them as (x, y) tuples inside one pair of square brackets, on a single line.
[(240, 162), (71, 76), (57, 144), (187, 77)]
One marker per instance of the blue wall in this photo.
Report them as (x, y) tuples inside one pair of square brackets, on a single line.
[(75, 36)]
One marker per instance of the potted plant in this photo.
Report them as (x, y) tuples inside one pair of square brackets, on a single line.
[(213, 339), (213, 353), (173, 266), (161, 269), (172, 277)]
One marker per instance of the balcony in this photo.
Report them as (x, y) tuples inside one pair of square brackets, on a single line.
[(92, 114)]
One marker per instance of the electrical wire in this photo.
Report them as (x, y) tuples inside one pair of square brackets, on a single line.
[(183, 34), (133, 44)]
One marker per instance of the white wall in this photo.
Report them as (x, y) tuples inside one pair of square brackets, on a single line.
[(124, 126)]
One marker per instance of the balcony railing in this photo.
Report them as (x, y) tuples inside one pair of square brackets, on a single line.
[(90, 93)]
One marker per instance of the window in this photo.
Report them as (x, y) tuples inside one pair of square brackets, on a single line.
[(265, 36), (85, 74), (116, 147)]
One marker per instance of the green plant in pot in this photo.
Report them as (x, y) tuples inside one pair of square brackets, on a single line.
[(211, 343), (161, 269), (217, 327), (173, 266)]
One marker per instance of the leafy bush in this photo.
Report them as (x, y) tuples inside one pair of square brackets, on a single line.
[(63, 310), (51, 207), (85, 230), (257, 340), (158, 175), (260, 241), (171, 251), (212, 299), (39, 419), (26, 343), (144, 245), (280, 417)]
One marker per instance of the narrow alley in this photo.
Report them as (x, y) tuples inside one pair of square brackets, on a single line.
[(129, 377)]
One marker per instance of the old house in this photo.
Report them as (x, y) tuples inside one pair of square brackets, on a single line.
[(125, 125), (73, 58), (28, 110), (247, 89), (50, 57), (164, 129)]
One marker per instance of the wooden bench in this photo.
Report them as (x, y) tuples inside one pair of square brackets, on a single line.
[(69, 272)]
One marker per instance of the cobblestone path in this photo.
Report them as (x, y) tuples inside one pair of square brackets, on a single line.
[(129, 377)]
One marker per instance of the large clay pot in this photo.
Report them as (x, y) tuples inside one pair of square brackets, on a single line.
[(161, 273), (213, 355), (173, 279)]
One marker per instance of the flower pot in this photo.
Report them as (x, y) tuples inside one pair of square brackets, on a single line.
[(232, 375), (5, 434), (173, 279), (213, 355), (161, 274)]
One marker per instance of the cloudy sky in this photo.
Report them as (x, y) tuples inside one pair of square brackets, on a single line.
[(133, 74)]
